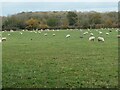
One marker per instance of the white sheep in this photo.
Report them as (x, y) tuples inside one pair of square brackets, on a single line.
[(118, 36), (92, 38), (39, 32), (8, 34), (80, 30), (0, 40), (96, 30), (4, 39), (85, 33), (67, 36), (100, 32), (107, 33), (53, 34), (21, 33), (35, 31), (91, 34), (45, 34), (101, 39), (11, 30)]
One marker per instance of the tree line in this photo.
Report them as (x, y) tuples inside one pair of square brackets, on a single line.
[(60, 20)]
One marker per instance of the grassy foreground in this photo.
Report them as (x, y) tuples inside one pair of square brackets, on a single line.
[(33, 60)]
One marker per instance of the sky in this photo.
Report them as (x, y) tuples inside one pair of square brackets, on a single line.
[(59, 0), (9, 7)]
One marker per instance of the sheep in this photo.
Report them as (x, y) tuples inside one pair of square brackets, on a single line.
[(21, 33), (8, 34), (92, 38), (0, 40), (35, 31), (39, 32), (91, 34), (85, 33), (80, 30), (48, 30), (67, 36), (4, 39), (11, 30), (100, 32), (53, 34), (117, 30), (101, 39), (45, 34), (89, 30), (118, 36), (107, 33), (96, 30)]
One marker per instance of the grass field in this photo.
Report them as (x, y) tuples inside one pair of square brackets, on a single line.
[(34, 60)]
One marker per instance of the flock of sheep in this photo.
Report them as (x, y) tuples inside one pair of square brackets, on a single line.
[(91, 37)]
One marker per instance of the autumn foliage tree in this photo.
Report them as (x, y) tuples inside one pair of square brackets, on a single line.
[(32, 23)]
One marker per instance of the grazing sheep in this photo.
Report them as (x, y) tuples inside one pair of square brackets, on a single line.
[(45, 34), (21, 33), (4, 39), (80, 30), (92, 38), (91, 34), (100, 32), (67, 36), (35, 31), (118, 36), (117, 30), (39, 32), (48, 30), (8, 34), (53, 34), (107, 33), (11, 31), (0, 39), (85, 33), (101, 39)]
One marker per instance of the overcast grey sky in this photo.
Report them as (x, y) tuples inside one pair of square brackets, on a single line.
[(9, 8)]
